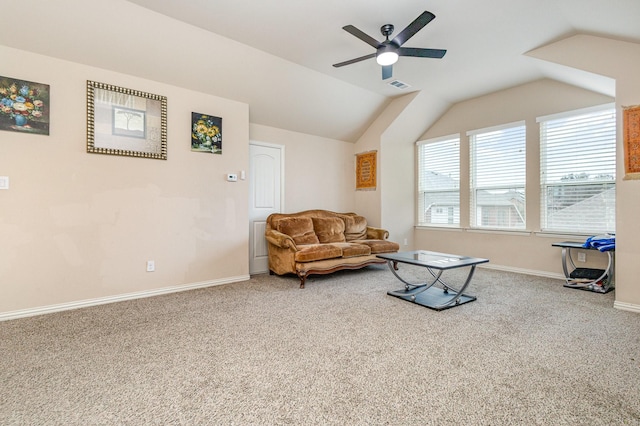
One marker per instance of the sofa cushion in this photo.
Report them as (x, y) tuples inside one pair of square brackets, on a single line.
[(312, 252), (353, 250), (355, 227), (298, 228), (379, 246), (329, 229)]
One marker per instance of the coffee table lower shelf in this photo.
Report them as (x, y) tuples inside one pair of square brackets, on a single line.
[(434, 292), (433, 298)]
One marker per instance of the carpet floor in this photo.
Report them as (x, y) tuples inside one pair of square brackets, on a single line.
[(339, 352)]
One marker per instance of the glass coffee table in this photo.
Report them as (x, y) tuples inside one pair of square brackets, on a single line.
[(435, 293)]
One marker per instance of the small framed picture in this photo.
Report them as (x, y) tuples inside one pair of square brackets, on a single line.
[(366, 171), (24, 106), (631, 140), (126, 122), (206, 133)]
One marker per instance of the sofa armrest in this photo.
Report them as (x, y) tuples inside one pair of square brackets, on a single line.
[(377, 233), (280, 240)]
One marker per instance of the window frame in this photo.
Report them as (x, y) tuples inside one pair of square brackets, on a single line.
[(519, 188), (545, 185), (420, 202)]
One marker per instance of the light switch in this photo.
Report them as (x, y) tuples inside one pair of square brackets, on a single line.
[(4, 182)]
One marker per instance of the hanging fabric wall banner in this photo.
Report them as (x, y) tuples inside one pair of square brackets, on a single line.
[(366, 171), (631, 141)]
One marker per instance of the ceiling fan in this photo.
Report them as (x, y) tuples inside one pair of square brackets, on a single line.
[(388, 51)]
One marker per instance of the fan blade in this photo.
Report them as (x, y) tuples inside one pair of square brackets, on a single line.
[(421, 53), (353, 61), (387, 71), (413, 28), (362, 36)]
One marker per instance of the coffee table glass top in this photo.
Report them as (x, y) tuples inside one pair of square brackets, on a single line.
[(432, 259)]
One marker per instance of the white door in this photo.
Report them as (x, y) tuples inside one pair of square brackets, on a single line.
[(265, 197)]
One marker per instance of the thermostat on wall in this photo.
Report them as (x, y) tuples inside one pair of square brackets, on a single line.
[(232, 177)]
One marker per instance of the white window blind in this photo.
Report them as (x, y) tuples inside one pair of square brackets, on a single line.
[(439, 181), (498, 176), (578, 171)]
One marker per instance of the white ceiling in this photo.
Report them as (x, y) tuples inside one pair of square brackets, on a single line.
[(485, 40), (277, 55)]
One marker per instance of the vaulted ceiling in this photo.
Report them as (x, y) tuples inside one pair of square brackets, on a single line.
[(277, 55)]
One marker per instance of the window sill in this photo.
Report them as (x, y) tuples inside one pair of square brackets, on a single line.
[(438, 228), (519, 232), (576, 236), (522, 232)]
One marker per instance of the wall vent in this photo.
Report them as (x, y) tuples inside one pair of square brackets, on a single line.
[(399, 84)]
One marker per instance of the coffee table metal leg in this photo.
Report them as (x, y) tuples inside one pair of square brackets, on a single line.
[(410, 287), (459, 293), (445, 286)]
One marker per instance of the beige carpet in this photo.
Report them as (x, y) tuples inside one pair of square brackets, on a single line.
[(340, 352)]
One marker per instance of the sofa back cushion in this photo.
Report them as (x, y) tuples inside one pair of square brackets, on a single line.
[(355, 227), (299, 228), (329, 229)]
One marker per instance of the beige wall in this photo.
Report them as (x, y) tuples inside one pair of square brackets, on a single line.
[(627, 199), (617, 60), (368, 202), (397, 164), (525, 252), (80, 227), (392, 135), (76, 226), (319, 172)]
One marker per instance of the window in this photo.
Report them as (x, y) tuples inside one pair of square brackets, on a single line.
[(578, 171), (498, 175), (439, 181)]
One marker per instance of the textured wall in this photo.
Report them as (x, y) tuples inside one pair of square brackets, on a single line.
[(77, 226)]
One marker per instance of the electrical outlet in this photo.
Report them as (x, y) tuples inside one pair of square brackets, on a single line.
[(151, 266), (582, 257)]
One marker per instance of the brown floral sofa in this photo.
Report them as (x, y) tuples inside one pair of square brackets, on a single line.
[(322, 242)]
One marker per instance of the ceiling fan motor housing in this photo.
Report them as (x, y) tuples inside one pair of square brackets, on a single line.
[(387, 52)]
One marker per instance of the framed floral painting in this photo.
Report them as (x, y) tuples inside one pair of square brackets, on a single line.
[(206, 133), (126, 122), (24, 106)]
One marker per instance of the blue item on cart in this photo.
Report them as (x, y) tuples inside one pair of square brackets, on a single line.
[(601, 242)]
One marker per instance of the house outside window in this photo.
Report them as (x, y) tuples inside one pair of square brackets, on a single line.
[(439, 182), (498, 177), (578, 171)]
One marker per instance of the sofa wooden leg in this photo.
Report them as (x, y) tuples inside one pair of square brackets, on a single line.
[(395, 265), (303, 278)]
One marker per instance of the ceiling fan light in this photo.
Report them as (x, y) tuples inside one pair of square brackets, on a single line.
[(388, 57)]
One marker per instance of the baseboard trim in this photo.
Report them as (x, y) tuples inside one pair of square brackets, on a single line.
[(31, 312), (623, 306), (534, 272)]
